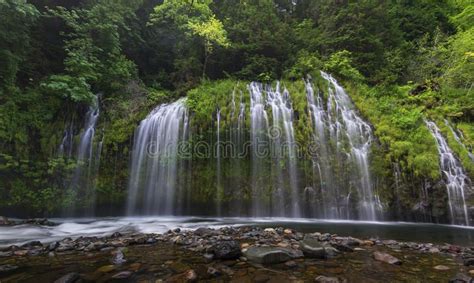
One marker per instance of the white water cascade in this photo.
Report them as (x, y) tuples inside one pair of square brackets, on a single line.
[(457, 182), (273, 147), (87, 160), (458, 137), (352, 138), (156, 162)]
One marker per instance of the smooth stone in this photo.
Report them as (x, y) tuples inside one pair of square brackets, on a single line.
[(68, 278), (7, 268), (122, 275), (118, 257), (227, 250), (461, 278), (270, 255), (387, 258), (106, 269), (311, 247), (326, 279), (441, 267), (213, 271), (468, 261), (32, 244)]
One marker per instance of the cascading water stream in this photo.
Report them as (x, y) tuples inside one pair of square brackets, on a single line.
[(87, 158), (458, 137), (283, 145), (457, 182), (219, 189), (352, 137), (156, 160), (259, 140)]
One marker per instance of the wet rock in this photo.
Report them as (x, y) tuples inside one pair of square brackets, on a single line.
[(270, 255), (187, 276), (118, 257), (135, 266), (342, 247), (226, 250), (387, 258), (7, 268), (122, 275), (4, 221), (204, 232), (326, 279), (213, 271), (468, 261), (311, 247), (269, 230), (291, 264), (5, 254), (32, 244), (68, 278), (460, 278), (115, 235), (106, 269), (52, 246), (331, 252), (441, 268)]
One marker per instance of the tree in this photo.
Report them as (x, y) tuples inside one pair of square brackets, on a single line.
[(213, 33)]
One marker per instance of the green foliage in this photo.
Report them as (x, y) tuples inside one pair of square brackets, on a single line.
[(340, 63), (17, 16)]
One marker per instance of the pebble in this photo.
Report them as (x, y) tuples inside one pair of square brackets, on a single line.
[(441, 267)]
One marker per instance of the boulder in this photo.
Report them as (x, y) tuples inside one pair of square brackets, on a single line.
[(387, 258), (311, 247), (68, 278), (7, 268), (271, 255), (226, 250)]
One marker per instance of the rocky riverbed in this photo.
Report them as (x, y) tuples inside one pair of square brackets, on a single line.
[(238, 254)]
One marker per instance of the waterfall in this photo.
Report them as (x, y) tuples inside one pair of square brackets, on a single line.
[(352, 137), (458, 137), (283, 150), (65, 148), (273, 138), (259, 143), (87, 158), (457, 182), (321, 158), (156, 160), (219, 189)]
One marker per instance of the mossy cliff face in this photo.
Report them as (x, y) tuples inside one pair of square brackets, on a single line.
[(404, 162)]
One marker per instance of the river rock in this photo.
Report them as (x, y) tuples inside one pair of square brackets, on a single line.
[(118, 257), (7, 268), (326, 279), (311, 247), (441, 267), (213, 271), (468, 261), (461, 278), (270, 255), (4, 221), (122, 275), (68, 278), (32, 244), (202, 231), (387, 258), (343, 246), (226, 250)]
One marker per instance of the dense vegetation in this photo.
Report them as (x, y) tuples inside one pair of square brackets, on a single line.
[(401, 61)]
